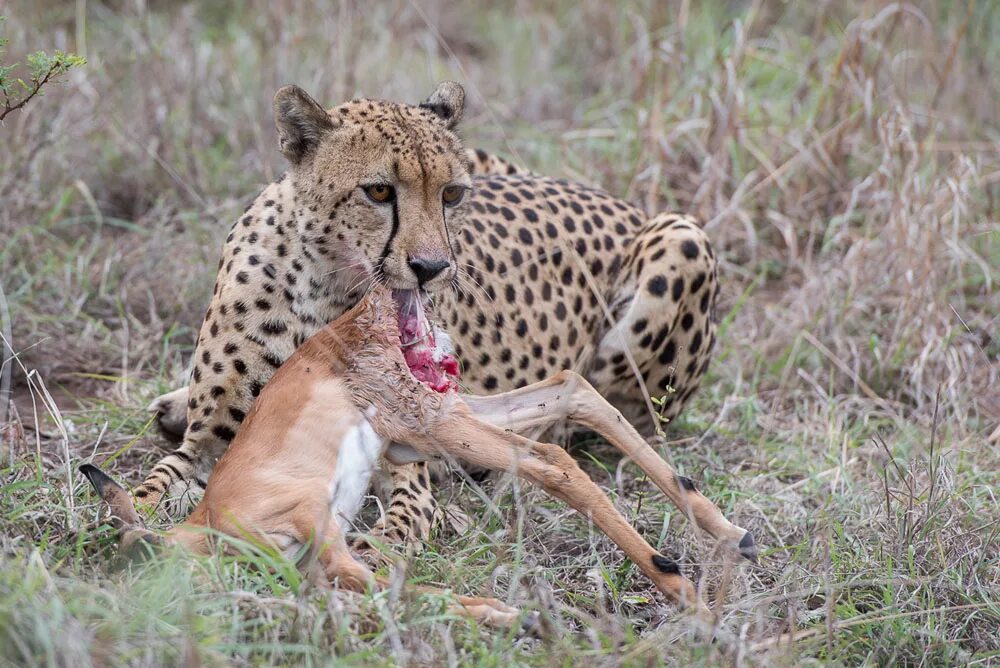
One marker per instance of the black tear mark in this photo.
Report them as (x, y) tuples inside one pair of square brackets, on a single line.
[(392, 233)]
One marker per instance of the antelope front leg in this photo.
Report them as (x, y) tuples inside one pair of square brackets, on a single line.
[(466, 438), (569, 396)]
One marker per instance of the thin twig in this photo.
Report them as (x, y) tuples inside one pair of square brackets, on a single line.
[(10, 108)]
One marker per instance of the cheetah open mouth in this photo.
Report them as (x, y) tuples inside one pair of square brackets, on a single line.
[(426, 350)]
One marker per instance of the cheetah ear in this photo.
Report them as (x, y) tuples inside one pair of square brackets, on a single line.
[(447, 102), (301, 123)]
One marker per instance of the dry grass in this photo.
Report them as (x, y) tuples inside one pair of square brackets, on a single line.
[(846, 160)]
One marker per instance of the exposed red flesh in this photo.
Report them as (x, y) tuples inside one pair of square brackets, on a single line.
[(435, 368)]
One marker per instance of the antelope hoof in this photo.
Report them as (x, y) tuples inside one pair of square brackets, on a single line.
[(531, 626), (748, 547)]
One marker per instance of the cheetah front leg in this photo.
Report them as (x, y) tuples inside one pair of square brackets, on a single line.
[(410, 512), (218, 399)]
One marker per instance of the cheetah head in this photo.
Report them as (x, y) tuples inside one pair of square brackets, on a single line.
[(384, 183)]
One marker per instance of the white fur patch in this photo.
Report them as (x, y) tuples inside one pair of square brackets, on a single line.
[(359, 454), (443, 345)]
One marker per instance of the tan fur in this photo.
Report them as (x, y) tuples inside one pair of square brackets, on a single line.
[(272, 485)]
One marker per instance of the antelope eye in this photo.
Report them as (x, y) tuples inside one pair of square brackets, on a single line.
[(380, 193), (452, 195)]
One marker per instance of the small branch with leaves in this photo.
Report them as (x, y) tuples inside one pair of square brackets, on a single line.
[(43, 69)]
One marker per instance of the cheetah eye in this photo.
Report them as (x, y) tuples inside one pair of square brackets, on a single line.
[(380, 193), (452, 195)]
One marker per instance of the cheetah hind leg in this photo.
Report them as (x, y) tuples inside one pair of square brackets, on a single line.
[(171, 412), (664, 321)]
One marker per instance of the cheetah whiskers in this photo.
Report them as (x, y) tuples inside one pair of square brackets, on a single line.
[(370, 278), (466, 283), (461, 273), (377, 277), (359, 263)]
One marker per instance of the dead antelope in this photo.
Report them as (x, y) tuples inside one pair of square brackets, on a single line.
[(360, 389)]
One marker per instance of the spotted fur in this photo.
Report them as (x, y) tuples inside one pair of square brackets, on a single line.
[(540, 275)]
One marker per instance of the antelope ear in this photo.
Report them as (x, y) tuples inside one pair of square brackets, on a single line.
[(123, 513), (301, 123), (447, 102)]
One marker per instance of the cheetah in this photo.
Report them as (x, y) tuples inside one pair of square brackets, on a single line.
[(529, 275)]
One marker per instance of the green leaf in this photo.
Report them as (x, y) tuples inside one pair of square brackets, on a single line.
[(44, 68)]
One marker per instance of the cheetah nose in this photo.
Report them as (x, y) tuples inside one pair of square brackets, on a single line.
[(426, 268)]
